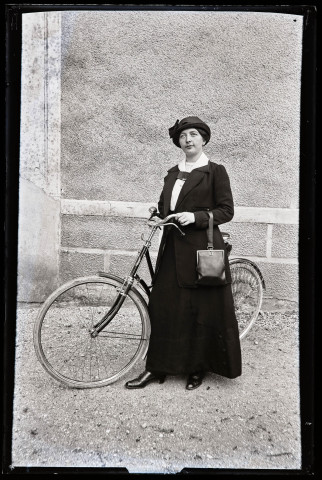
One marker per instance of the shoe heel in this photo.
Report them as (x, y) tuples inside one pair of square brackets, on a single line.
[(162, 379)]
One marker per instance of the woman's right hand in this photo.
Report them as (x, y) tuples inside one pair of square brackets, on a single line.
[(185, 218)]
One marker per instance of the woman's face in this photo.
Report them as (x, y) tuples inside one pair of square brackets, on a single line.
[(191, 141)]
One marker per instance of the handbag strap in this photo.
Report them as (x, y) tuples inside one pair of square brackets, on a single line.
[(210, 232)]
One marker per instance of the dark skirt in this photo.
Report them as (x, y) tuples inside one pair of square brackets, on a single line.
[(192, 329)]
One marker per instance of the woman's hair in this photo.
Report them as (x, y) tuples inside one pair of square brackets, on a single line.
[(204, 134)]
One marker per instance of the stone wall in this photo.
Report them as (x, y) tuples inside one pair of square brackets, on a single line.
[(39, 183), (125, 77)]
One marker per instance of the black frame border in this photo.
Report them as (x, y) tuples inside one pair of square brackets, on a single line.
[(308, 305)]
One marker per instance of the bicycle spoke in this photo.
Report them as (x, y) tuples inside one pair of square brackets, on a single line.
[(128, 336), (91, 310), (87, 305), (102, 356), (73, 351), (247, 294)]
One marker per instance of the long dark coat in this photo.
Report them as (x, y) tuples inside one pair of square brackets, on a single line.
[(206, 188), (193, 328)]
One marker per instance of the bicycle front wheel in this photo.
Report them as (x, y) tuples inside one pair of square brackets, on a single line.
[(247, 289), (62, 339)]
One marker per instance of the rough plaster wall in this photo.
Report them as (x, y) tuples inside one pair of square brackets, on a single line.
[(127, 76)]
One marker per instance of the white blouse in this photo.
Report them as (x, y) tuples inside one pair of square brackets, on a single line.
[(186, 167)]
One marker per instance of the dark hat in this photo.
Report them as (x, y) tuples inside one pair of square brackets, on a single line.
[(189, 122)]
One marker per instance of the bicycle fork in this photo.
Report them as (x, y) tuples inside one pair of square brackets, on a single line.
[(106, 319)]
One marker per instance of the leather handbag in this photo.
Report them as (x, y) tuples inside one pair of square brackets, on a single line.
[(210, 262)]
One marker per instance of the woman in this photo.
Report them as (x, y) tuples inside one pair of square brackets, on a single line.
[(193, 328)]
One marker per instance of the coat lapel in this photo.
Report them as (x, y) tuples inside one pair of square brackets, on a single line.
[(192, 181)]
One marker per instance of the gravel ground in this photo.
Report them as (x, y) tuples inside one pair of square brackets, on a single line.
[(250, 422)]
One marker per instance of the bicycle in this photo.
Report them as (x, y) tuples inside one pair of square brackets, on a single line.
[(92, 330)]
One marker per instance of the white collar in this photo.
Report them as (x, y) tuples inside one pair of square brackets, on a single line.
[(201, 162)]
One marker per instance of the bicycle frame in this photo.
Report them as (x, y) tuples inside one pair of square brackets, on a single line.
[(128, 283), (129, 280)]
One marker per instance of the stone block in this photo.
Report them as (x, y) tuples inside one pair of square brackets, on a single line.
[(281, 280), (120, 264), (89, 231), (247, 239), (75, 264), (285, 241)]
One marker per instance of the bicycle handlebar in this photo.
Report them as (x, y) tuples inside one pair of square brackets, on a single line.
[(159, 222)]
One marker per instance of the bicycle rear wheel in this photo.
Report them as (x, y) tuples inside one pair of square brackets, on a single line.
[(247, 288), (62, 337)]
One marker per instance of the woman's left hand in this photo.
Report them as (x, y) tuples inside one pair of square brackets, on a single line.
[(185, 218)]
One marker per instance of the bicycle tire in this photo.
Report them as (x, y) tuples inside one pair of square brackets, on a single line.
[(64, 345), (247, 289)]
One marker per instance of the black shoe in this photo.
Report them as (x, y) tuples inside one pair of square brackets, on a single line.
[(142, 380), (194, 380)]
